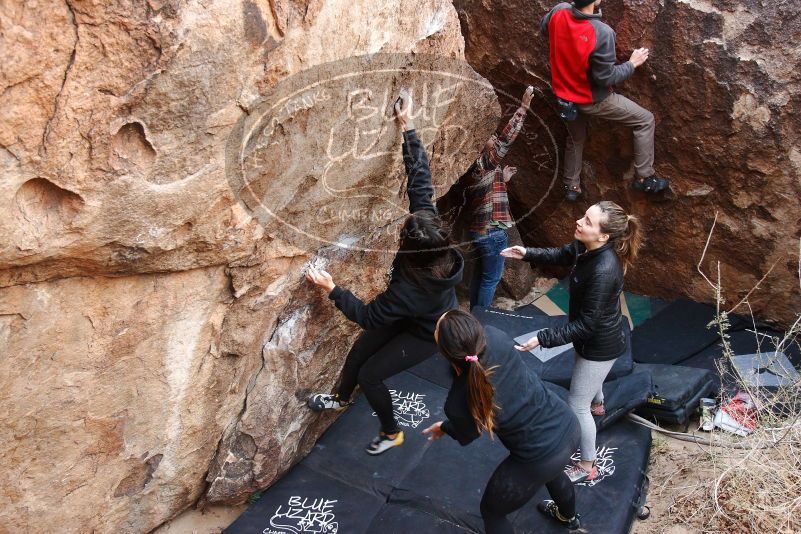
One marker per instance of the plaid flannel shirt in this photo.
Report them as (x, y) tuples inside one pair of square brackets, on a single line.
[(488, 197)]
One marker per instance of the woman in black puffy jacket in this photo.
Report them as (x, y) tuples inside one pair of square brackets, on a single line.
[(606, 244)]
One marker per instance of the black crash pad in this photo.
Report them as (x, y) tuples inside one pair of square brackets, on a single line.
[(620, 396), (340, 450), (425, 486), (412, 518), (677, 392), (442, 487), (435, 369), (530, 309), (451, 479), (609, 503), (676, 333), (308, 501)]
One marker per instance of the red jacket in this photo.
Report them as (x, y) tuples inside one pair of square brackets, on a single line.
[(583, 58)]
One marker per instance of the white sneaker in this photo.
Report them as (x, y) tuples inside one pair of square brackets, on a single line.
[(382, 443), (323, 401)]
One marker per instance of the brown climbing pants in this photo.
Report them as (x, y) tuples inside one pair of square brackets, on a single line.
[(616, 108)]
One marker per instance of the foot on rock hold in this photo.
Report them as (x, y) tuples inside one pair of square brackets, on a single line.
[(322, 401), (572, 193), (652, 184)]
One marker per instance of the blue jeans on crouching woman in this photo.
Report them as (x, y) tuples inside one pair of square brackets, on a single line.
[(488, 267)]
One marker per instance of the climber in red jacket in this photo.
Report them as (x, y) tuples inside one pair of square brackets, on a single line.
[(583, 73)]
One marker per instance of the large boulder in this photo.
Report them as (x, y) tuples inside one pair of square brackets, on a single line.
[(169, 169), (723, 82)]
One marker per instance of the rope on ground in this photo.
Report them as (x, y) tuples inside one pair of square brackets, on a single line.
[(692, 438)]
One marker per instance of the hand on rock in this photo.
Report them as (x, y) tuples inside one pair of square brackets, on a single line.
[(527, 96), (516, 252), (321, 279), (639, 56), (508, 172), (403, 109)]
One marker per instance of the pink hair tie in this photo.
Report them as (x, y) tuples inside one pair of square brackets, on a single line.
[(471, 358)]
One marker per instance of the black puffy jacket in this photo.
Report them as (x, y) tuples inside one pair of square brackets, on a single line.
[(595, 324), (421, 303)]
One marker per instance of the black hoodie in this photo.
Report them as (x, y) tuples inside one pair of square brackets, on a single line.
[(530, 421), (420, 303)]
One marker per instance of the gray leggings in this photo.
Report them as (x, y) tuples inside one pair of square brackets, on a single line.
[(586, 386)]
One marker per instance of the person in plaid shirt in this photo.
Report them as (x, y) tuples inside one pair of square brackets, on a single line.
[(489, 206)]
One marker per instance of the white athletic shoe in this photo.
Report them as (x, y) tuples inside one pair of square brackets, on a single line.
[(323, 401), (382, 443)]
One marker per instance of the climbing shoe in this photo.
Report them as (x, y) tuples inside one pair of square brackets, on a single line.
[(572, 193), (578, 474), (382, 443), (597, 409), (652, 184), (550, 509), (321, 402)]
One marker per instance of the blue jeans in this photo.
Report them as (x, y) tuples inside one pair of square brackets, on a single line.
[(488, 266)]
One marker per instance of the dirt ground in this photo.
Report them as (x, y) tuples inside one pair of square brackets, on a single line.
[(211, 521), (669, 484)]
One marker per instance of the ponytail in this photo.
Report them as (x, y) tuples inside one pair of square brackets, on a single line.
[(482, 396), (628, 245), (462, 341), (625, 232)]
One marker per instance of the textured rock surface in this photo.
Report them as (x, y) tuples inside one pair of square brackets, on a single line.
[(156, 341), (723, 83)]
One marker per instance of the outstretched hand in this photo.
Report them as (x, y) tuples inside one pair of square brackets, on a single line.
[(516, 252), (434, 431), (320, 278), (508, 172), (531, 344)]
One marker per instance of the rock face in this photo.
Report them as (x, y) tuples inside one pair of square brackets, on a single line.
[(723, 82), (169, 168), (165, 179)]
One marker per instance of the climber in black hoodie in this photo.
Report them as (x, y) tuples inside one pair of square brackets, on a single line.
[(422, 285), (494, 392)]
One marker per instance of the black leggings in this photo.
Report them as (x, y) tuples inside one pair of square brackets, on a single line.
[(514, 483), (369, 370)]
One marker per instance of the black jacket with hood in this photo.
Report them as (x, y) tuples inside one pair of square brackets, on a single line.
[(595, 324), (419, 302), (531, 421)]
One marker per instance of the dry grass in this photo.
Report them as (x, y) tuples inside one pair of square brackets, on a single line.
[(746, 490), (716, 488)]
